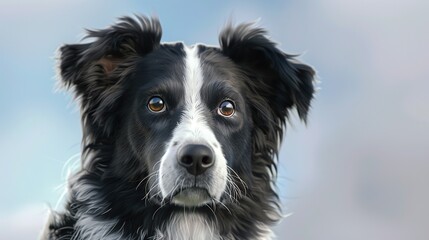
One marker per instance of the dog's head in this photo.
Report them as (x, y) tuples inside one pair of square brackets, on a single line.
[(190, 125)]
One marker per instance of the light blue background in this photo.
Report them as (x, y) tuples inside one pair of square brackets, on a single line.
[(359, 170)]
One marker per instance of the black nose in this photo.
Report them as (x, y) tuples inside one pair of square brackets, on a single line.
[(196, 158)]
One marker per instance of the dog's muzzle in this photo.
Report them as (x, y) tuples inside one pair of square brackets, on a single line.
[(196, 159)]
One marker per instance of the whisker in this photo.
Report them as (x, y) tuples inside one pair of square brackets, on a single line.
[(214, 214), (148, 176), (153, 187), (221, 203), (239, 178), (153, 215)]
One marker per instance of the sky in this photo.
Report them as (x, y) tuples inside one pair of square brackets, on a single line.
[(357, 170)]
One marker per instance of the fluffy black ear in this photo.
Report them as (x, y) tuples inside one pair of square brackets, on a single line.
[(95, 70), (276, 77)]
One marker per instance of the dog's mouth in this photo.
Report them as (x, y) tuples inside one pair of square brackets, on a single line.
[(192, 197)]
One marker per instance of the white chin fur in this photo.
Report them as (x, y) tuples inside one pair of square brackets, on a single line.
[(192, 197)]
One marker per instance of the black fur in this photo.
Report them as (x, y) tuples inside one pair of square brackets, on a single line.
[(113, 75)]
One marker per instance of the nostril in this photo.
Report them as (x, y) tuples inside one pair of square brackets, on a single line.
[(187, 160), (206, 160)]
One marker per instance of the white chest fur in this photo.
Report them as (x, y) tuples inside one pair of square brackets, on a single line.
[(188, 226)]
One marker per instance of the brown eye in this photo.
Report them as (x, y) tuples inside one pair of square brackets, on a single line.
[(156, 104), (226, 108)]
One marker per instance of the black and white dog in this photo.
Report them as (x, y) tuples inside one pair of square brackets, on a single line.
[(179, 142)]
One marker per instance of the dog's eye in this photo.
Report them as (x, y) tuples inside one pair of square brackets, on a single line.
[(156, 104), (226, 108)]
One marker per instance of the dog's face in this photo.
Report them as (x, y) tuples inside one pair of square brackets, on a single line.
[(188, 123), (193, 124)]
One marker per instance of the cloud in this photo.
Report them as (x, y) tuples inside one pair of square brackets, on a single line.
[(371, 149), (24, 224)]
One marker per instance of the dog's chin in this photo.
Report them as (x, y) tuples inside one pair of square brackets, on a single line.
[(192, 197)]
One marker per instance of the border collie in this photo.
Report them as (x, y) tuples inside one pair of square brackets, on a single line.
[(179, 142)]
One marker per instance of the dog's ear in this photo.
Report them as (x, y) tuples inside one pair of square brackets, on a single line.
[(275, 77), (109, 48), (94, 70)]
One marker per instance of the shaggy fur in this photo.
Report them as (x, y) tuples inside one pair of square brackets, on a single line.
[(116, 192)]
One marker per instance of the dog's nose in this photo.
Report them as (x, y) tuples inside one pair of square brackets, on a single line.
[(196, 158)]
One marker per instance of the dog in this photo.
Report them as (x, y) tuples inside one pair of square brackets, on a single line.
[(179, 142)]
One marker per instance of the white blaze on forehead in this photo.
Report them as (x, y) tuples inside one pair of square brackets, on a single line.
[(193, 82)]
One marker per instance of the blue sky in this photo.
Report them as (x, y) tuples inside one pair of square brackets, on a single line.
[(356, 171)]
